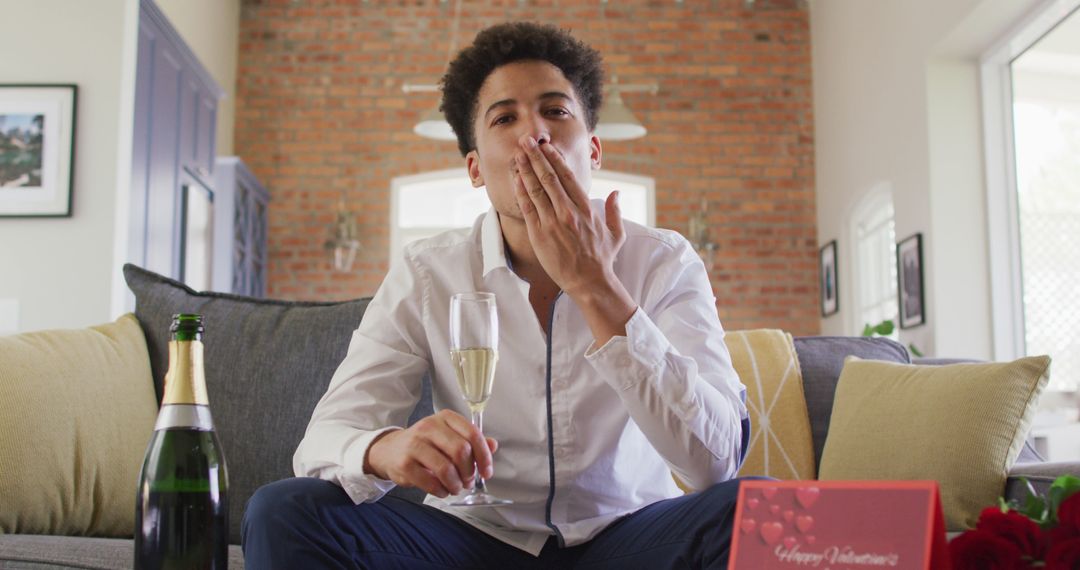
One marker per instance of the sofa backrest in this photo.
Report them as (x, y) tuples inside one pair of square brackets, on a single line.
[(267, 364)]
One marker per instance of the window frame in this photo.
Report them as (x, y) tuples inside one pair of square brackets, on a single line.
[(1002, 203)]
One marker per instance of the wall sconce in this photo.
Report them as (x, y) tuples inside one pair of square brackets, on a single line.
[(343, 245), (698, 234)]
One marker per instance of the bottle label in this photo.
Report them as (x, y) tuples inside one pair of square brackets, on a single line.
[(180, 416), (184, 382)]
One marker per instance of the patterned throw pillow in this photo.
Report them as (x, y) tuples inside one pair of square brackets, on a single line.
[(780, 442)]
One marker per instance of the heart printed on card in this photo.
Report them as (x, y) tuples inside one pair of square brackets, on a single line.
[(807, 496), (804, 523), (748, 525), (771, 532)]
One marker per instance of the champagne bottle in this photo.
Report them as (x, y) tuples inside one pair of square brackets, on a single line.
[(181, 510)]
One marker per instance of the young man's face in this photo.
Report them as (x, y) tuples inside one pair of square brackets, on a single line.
[(535, 98)]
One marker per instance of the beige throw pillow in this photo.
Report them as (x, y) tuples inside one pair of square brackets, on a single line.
[(780, 441), (961, 425), (77, 408)]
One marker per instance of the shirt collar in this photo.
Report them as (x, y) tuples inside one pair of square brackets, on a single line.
[(492, 245)]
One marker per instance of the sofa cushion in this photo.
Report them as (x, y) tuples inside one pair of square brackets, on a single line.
[(961, 425), (821, 358), (77, 412), (780, 444), (26, 551), (267, 364)]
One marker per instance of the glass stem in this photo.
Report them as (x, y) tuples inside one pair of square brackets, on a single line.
[(478, 421)]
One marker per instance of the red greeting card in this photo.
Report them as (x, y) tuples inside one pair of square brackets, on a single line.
[(838, 524)]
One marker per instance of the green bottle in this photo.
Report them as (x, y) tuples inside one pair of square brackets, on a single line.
[(181, 510)]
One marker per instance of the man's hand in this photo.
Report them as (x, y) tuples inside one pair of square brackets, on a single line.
[(438, 454), (574, 245)]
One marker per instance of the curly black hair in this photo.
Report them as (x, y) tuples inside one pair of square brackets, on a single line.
[(515, 41)]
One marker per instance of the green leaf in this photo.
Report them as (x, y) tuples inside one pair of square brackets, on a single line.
[(914, 350), (885, 328), (1034, 506), (1062, 488)]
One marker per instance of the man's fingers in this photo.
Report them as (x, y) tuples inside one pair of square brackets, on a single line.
[(613, 216), (528, 209), (534, 189), (458, 448), (550, 181), (423, 479), (574, 192), (480, 452), (435, 461)]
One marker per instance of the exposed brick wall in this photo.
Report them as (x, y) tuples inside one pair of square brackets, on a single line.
[(320, 111)]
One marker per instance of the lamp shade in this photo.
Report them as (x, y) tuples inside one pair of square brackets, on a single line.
[(433, 125), (616, 122)]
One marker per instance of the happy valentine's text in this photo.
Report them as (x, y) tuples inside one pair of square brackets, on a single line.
[(834, 555)]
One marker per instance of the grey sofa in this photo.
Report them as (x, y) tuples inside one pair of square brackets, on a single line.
[(268, 362)]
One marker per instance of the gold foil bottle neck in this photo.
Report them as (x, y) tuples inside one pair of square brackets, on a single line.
[(185, 382)]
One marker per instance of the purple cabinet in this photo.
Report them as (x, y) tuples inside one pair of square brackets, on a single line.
[(173, 142)]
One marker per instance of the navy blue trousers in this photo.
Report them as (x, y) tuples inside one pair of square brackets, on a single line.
[(312, 524)]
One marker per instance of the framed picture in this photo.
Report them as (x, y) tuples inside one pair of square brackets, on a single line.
[(830, 296), (909, 273), (37, 150)]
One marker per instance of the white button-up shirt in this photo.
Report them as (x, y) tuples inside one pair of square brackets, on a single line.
[(586, 434)]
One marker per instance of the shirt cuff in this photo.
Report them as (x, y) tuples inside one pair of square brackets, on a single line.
[(362, 487), (627, 360)]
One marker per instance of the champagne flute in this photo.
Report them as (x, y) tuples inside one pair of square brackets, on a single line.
[(474, 343)]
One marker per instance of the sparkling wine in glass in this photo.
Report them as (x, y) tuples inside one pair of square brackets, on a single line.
[(474, 342)]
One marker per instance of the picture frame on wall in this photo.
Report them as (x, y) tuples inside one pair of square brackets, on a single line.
[(909, 271), (830, 293), (37, 149)]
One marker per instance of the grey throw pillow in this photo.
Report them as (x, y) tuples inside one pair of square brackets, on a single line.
[(267, 364), (821, 358)]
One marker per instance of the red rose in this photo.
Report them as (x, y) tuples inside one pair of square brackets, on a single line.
[(984, 550), (1016, 528), (1064, 555), (1061, 533), (1069, 512)]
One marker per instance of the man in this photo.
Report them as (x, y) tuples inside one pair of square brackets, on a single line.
[(612, 370)]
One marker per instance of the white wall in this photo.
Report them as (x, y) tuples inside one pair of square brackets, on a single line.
[(59, 271), (65, 272), (896, 101), (211, 28)]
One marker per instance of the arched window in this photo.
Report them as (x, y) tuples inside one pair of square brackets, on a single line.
[(873, 234), (425, 204)]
